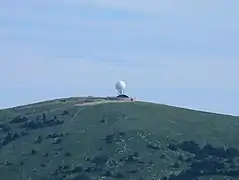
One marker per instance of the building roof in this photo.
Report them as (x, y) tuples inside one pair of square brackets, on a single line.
[(122, 96)]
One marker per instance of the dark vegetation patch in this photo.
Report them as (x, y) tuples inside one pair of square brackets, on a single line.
[(4, 127), (206, 161), (31, 124), (19, 119), (8, 138), (114, 138)]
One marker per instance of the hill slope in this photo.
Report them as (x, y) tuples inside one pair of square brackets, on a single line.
[(65, 139)]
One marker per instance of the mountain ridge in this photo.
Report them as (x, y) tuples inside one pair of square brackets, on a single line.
[(56, 139), (61, 99)]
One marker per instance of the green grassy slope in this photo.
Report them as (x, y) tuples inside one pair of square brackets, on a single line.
[(137, 140)]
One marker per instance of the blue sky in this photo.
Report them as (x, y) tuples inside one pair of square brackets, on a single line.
[(182, 53)]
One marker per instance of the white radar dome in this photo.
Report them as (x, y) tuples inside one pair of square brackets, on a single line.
[(120, 86)]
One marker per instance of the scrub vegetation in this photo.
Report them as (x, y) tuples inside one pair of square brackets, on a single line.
[(60, 139)]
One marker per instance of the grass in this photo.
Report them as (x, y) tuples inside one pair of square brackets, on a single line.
[(137, 140)]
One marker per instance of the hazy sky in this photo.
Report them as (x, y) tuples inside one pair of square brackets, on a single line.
[(182, 53)]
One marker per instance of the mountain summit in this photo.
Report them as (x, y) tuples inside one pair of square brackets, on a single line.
[(102, 139)]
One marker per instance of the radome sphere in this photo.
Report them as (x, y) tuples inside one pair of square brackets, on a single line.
[(120, 86)]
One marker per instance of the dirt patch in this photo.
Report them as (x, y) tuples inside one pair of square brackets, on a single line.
[(101, 102)]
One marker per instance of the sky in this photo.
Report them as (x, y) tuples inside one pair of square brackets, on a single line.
[(182, 53)]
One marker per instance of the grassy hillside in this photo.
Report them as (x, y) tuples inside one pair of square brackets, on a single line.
[(60, 139)]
